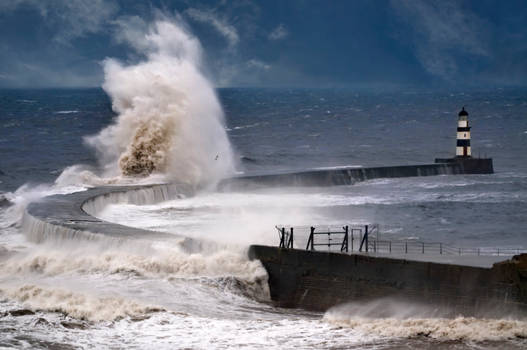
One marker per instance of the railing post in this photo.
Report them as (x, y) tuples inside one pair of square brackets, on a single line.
[(312, 238), (390, 243), (423, 247), (440, 248), (347, 238), (282, 238), (366, 237), (406, 247), (290, 243), (375, 246), (344, 245)]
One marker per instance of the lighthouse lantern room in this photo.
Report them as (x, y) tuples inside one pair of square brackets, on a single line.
[(463, 135)]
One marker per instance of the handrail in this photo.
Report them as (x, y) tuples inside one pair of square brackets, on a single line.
[(342, 237)]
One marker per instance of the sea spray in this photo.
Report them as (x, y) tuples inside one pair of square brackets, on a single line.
[(166, 263), (26, 194), (169, 118), (169, 125), (390, 318), (225, 271)]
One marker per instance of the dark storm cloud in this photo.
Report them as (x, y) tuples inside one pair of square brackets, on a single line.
[(275, 43), (38, 49)]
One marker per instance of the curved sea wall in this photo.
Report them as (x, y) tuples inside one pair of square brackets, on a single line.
[(72, 216)]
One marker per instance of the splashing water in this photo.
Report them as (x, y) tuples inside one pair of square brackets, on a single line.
[(169, 125), (395, 319), (169, 117), (75, 304)]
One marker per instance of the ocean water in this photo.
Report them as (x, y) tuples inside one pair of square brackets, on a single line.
[(79, 294)]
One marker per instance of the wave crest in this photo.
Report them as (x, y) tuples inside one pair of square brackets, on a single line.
[(169, 118), (170, 263), (393, 318), (77, 305)]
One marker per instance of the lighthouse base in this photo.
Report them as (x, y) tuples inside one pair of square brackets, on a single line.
[(470, 165)]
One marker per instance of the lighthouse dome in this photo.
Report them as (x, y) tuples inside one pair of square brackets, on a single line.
[(463, 113)]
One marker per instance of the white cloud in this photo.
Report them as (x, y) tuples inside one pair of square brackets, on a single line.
[(131, 30), (84, 17), (227, 30), (442, 32), (254, 63), (75, 17), (279, 33)]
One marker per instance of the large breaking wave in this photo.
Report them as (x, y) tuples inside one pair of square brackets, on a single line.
[(169, 118)]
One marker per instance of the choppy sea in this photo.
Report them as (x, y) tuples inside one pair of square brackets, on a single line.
[(73, 294)]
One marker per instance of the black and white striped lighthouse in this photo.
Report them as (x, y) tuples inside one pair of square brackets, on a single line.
[(463, 135), (463, 163)]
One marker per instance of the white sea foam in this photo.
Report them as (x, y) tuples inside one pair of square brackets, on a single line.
[(337, 166), (159, 263), (389, 318), (76, 304), (67, 112), (460, 328), (246, 126), (27, 194)]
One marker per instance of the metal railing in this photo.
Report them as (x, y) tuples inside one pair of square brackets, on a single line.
[(365, 238), (436, 248), (341, 237)]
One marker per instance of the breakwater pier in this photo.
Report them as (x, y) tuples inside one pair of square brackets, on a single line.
[(318, 280), (351, 175), (319, 267), (315, 279)]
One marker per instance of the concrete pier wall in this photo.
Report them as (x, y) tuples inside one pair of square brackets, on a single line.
[(320, 280), (349, 176), (339, 176), (470, 165), (71, 216)]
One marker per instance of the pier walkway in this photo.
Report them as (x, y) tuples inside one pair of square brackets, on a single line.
[(367, 240)]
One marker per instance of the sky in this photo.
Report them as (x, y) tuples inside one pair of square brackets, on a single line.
[(276, 43)]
